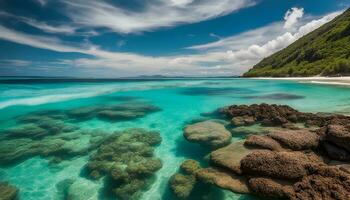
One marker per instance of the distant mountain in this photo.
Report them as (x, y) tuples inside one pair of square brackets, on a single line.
[(325, 51)]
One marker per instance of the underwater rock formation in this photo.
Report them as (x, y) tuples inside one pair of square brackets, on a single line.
[(46, 137), (51, 134), (263, 142), (297, 156), (8, 192), (208, 133), (183, 182), (296, 139), (118, 112), (230, 156), (126, 160), (224, 179)]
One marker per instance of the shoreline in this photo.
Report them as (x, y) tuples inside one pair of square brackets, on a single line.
[(343, 80)]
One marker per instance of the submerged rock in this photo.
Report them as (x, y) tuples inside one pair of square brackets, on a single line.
[(118, 112), (230, 157), (190, 167), (223, 179), (325, 183), (339, 135), (243, 120), (126, 158), (182, 185), (8, 192), (271, 188), (55, 147), (208, 133), (270, 115), (253, 129), (296, 139), (284, 165), (263, 142)]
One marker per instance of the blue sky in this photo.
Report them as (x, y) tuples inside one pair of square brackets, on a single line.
[(118, 38)]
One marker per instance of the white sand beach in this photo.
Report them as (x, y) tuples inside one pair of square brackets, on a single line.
[(342, 80)]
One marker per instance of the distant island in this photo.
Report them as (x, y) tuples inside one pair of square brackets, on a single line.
[(323, 52)]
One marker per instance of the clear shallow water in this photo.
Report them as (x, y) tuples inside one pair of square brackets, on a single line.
[(181, 101)]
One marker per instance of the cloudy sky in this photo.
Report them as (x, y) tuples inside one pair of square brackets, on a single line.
[(118, 38)]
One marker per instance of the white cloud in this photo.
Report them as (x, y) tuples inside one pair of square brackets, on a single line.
[(65, 29), (240, 41), (155, 14), (292, 16)]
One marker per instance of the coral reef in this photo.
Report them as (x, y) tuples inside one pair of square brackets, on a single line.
[(297, 156), (8, 192), (126, 160)]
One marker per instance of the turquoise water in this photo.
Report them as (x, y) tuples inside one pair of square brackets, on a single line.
[(180, 101)]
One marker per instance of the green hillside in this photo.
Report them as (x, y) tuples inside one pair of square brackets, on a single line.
[(325, 51)]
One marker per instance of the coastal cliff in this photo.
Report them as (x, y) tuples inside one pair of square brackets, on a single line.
[(325, 51)]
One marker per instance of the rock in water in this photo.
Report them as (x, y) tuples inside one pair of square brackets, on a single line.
[(284, 165), (296, 139), (230, 157), (325, 183), (243, 120), (190, 167), (339, 135), (208, 133), (182, 185), (263, 142), (8, 192), (270, 188), (183, 182), (223, 179)]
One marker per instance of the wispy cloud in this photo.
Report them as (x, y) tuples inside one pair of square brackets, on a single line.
[(155, 14), (232, 55)]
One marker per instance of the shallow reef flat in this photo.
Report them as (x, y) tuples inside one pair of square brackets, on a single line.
[(286, 155), (120, 164)]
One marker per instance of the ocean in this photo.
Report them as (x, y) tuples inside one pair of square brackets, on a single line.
[(165, 106)]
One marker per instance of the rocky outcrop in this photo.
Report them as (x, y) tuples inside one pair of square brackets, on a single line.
[(243, 120), (325, 183), (285, 165), (271, 188), (296, 139), (223, 179), (263, 142), (294, 156), (208, 133), (8, 192), (230, 157), (339, 135)]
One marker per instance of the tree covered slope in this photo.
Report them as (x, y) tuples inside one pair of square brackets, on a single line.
[(325, 51)]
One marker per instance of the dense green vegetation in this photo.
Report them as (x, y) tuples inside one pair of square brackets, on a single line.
[(325, 51)]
